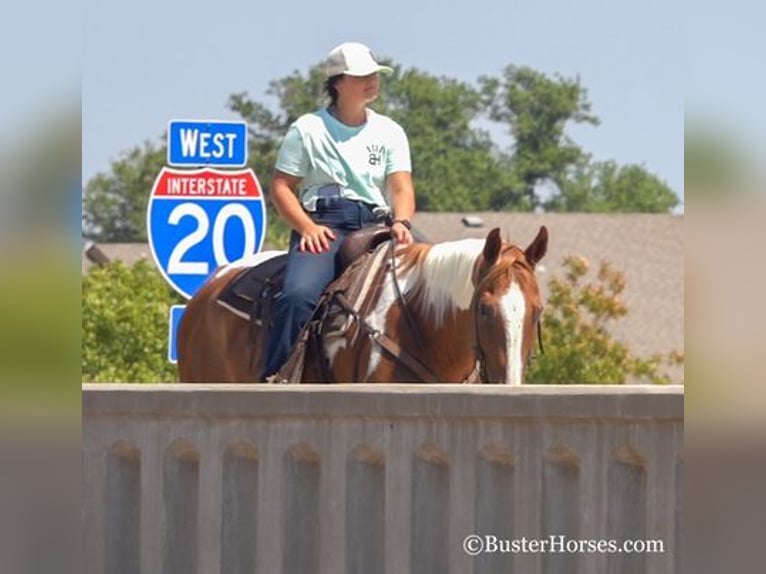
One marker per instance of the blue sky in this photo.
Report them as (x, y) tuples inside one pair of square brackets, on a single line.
[(41, 48), (724, 75), (145, 62)]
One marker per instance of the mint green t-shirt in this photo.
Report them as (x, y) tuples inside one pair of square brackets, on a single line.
[(321, 150)]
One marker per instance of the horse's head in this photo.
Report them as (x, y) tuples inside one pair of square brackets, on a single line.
[(507, 306)]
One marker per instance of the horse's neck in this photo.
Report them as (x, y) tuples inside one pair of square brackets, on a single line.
[(444, 346), (449, 348), (440, 291)]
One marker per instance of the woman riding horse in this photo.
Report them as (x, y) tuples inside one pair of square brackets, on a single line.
[(334, 171)]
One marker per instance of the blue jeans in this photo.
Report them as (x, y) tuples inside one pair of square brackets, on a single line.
[(308, 274)]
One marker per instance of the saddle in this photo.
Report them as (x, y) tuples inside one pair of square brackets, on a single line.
[(255, 286), (251, 294)]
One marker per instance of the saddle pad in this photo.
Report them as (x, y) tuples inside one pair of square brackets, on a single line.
[(251, 284)]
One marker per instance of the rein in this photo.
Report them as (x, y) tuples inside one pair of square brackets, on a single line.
[(400, 298), (409, 360), (415, 365), (478, 352), (540, 334), (392, 347)]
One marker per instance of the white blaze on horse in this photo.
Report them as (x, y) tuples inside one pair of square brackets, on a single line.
[(453, 312)]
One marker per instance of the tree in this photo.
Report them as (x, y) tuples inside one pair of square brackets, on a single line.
[(456, 166), (537, 109), (114, 204), (605, 187)]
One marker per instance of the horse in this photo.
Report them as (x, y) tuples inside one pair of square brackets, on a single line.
[(448, 312)]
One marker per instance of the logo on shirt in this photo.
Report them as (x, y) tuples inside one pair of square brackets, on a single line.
[(376, 154)]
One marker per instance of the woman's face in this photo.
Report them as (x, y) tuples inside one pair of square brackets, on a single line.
[(358, 89)]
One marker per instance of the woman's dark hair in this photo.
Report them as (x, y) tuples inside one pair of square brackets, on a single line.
[(331, 90)]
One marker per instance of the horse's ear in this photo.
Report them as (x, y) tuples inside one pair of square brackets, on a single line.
[(492, 246), (536, 250)]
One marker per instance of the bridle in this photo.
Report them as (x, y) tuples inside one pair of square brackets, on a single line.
[(478, 352)]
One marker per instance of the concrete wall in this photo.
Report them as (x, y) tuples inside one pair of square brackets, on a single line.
[(367, 479)]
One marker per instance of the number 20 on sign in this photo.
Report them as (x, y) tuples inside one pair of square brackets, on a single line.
[(202, 219)]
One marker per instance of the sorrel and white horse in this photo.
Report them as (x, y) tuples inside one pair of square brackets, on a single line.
[(457, 308)]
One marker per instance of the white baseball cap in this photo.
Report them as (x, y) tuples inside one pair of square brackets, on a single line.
[(353, 59)]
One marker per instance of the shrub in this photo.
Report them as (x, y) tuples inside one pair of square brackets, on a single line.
[(125, 324), (578, 346)]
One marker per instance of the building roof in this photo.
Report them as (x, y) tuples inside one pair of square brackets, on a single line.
[(129, 253)]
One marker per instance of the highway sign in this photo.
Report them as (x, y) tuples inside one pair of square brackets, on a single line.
[(198, 220), (200, 143)]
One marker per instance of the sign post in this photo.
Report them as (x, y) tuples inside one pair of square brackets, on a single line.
[(200, 219), (176, 312)]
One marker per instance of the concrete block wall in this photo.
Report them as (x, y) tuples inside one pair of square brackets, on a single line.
[(371, 479)]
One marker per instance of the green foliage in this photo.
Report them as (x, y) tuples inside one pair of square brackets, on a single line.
[(605, 187), (578, 346), (125, 324), (456, 167), (114, 204), (537, 110)]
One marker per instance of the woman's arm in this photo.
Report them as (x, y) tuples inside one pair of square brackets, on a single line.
[(402, 202), (314, 238)]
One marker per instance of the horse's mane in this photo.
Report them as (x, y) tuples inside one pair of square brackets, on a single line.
[(438, 277)]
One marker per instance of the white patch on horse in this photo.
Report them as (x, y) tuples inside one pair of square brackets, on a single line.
[(514, 309), (333, 345), (377, 317), (248, 261), (445, 276)]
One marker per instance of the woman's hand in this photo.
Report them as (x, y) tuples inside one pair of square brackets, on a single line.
[(401, 234), (316, 238)]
